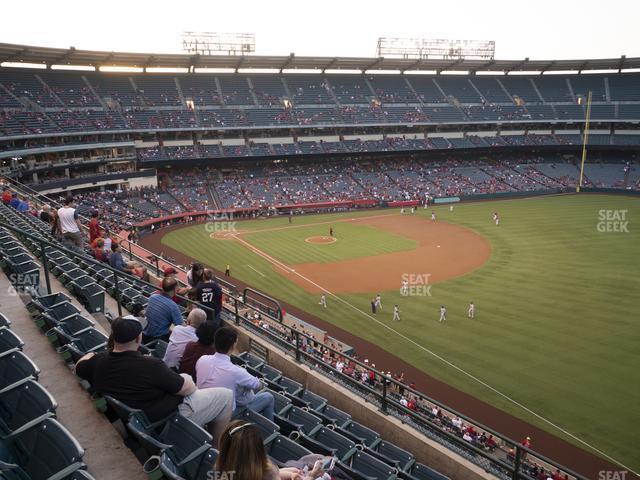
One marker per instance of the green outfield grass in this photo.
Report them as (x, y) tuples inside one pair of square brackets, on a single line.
[(557, 327)]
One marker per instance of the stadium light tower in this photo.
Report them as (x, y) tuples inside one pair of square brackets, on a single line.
[(441, 49), (212, 43)]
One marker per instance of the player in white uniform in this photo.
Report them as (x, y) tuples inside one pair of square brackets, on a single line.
[(413, 210), (433, 216), (402, 211), (323, 301), (378, 302), (396, 313), (443, 314), (497, 220), (405, 288), (451, 208), (471, 313)]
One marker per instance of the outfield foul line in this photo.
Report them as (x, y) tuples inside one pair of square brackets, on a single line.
[(257, 271), (285, 267)]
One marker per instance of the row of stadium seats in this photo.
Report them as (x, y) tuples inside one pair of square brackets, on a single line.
[(66, 89), (21, 123), (33, 444), (389, 144)]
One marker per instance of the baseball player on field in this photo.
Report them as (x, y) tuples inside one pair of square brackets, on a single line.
[(323, 301), (396, 313), (378, 301), (443, 314)]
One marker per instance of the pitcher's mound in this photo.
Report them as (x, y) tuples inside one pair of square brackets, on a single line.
[(321, 240)]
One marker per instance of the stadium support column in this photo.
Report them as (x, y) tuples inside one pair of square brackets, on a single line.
[(585, 141)]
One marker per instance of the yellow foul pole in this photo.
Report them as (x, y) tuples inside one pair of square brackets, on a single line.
[(585, 141)]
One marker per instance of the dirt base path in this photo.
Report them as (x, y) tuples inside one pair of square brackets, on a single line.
[(444, 251), (565, 453)]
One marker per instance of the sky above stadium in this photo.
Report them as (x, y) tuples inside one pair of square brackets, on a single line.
[(544, 29)]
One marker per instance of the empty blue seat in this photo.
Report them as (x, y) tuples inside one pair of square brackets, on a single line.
[(362, 466), (359, 433), (422, 472), (282, 449), (328, 442), (46, 450), (199, 467), (9, 342), (15, 369), (268, 429), (393, 455), (333, 416), (24, 406)]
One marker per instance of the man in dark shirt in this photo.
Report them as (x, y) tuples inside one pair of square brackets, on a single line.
[(146, 383), (45, 214), (210, 295)]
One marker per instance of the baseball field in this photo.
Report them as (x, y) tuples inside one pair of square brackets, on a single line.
[(556, 336)]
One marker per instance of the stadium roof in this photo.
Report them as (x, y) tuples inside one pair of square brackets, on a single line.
[(10, 53)]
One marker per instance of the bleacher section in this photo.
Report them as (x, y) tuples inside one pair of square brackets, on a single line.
[(42, 102)]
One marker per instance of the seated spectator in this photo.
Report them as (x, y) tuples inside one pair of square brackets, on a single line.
[(146, 383), (6, 196), (194, 350), (171, 272), (242, 451), (217, 370), (162, 312), (98, 250), (181, 335), (15, 201), (23, 206), (116, 260)]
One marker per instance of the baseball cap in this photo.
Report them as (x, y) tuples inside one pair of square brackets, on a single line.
[(125, 329), (169, 271)]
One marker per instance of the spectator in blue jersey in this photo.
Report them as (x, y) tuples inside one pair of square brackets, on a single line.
[(209, 294), (15, 201), (23, 206), (162, 312)]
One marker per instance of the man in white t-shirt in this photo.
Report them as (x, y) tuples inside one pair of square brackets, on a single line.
[(69, 222), (181, 335)]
